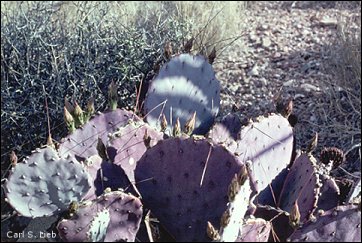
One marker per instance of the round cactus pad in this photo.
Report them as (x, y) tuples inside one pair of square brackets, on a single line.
[(184, 85)]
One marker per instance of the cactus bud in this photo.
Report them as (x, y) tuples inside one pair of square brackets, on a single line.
[(287, 110), (212, 233), (234, 187), (212, 56), (294, 216), (147, 139), (190, 124), (188, 45), (112, 96), (50, 141), (177, 128), (102, 150), (242, 176), (313, 144), (69, 106), (89, 110), (163, 123), (156, 66), (78, 115), (73, 208), (225, 219), (293, 120), (69, 120), (107, 190), (168, 50), (13, 158)]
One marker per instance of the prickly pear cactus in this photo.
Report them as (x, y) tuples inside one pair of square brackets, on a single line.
[(226, 130), (83, 142), (341, 224), (104, 174), (184, 85), (255, 230), (329, 193), (45, 184), (355, 192), (127, 145), (239, 195), (280, 222), (184, 181), (233, 124), (268, 144), (112, 217), (302, 186)]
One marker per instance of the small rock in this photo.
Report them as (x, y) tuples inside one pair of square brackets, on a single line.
[(328, 22), (264, 81), (266, 42), (264, 27), (309, 88), (289, 83), (253, 37), (254, 71)]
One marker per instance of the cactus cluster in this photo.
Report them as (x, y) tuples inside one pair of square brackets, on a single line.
[(236, 183)]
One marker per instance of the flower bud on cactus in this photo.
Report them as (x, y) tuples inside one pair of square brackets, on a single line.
[(50, 141), (190, 124), (334, 155), (102, 150), (69, 106), (168, 50), (147, 139), (69, 120), (225, 219), (13, 158), (242, 175), (89, 110), (313, 144), (212, 233), (293, 120), (287, 110), (212, 56), (188, 45), (73, 208), (163, 123), (294, 216), (233, 188), (112, 96), (177, 128), (78, 115)]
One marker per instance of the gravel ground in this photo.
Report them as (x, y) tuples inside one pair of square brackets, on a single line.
[(288, 56)]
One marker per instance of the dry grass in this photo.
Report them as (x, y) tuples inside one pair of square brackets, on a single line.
[(341, 114)]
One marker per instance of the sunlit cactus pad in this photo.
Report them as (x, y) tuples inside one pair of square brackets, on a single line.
[(185, 84), (45, 184), (112, 217), (267, 144)]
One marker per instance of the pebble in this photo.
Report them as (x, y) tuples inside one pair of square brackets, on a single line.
[(266, 42)]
